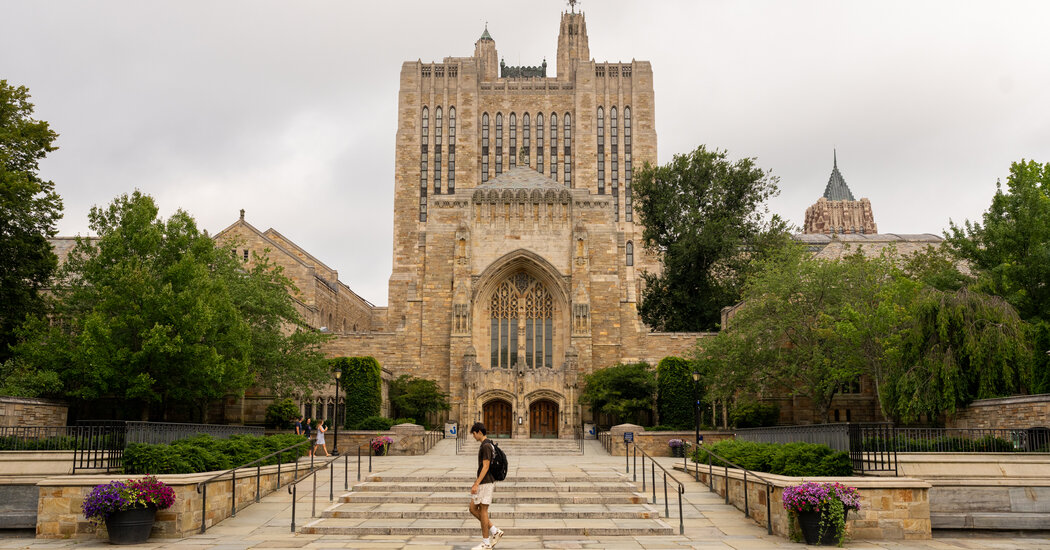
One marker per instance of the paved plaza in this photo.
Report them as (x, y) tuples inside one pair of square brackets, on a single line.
[(709, 522)]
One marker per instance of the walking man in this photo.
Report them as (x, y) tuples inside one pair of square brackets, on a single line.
[(481, 492)]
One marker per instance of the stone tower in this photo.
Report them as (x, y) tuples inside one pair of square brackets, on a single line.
[(837, 212), (517, 255)]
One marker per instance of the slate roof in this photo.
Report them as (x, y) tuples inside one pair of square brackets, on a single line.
[(837, 190), (522, 177)]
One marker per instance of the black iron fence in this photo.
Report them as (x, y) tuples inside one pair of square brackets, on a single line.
[(99, 444), (873, 447)]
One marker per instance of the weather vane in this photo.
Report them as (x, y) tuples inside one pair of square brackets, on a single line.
[(572, 5)]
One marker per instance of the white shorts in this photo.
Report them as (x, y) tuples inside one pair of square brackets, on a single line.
[(484, 494)]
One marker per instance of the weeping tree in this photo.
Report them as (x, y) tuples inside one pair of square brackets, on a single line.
[(624, 392), (961, 346)]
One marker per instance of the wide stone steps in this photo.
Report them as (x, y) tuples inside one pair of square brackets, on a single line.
[(526, 447), (517, 486), (462, 496), (497, 511), (468, 527)]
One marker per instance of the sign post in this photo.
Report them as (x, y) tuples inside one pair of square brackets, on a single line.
[(628, 438)]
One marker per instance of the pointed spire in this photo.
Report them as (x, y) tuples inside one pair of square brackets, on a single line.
[(837, 190), (485, 35)]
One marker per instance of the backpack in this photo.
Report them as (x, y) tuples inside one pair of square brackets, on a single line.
[(498, 466)]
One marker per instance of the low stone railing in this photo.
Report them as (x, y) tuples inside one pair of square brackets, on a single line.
[(891, 508), (655, 443)]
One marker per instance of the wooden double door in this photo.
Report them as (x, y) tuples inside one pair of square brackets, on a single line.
[(543, 419), (498, 418)]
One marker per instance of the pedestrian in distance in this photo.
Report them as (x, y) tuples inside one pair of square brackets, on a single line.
[(319, 441), (481, 491), (307, 432), (297, 425)]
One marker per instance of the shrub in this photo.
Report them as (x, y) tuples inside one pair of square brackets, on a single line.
[(204, 453), (661, 428), (790, 459), (362, 383), (417, 397), (674, 393), (755, 415), (623, 391), (378, 423), (281, 413), (404, 421)]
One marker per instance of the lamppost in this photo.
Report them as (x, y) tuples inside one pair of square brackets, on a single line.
[(696, 403), (335, 441)]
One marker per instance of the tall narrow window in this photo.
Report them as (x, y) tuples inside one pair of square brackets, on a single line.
[(437, 150), (484, 147), (451, 149), (567, 155), (521, 301), (628, 208), (554, 147), (601, 151), (513, 156), (630, 253), (525, 135), (539, 142), (499, 143), (614, 170), (424, 142)]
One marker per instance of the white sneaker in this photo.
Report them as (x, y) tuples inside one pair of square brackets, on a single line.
[(496, 536), (482, 546)]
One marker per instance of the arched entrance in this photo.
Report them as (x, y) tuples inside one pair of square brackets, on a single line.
[(498, 418), (543, 419)]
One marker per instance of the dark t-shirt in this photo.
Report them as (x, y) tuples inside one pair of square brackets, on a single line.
[(486, 452)]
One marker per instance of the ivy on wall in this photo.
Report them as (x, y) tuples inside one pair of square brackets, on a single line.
[(674, 393), (362, 381)]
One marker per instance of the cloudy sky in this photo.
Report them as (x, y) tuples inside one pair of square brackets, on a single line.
[(288, 109)]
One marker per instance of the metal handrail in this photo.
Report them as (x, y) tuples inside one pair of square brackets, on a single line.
[(726, 462), (681, 486), (202, 487), (431, 438), (293, 486)]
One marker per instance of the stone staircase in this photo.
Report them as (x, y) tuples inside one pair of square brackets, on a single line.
[(583, 503), (524, 447)]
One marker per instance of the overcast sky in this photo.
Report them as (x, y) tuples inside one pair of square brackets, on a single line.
[(288, 109)]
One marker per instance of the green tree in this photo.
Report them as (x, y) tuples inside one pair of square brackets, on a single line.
[(674, 394), (363, 385), (960, 346), (30, 209), (623, 391), (147, 314), (416, 398), (1010, 253), (705, 216)]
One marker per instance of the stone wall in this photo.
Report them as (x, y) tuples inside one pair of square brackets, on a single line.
[(24, 411), (655, 443), (891, 508), (1022, 411), (59, 514)]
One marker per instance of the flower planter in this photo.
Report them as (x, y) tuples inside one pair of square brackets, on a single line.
[(809, 522), (380, 451), (678, 452), (130, 526)]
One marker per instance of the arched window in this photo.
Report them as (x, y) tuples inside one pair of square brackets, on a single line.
[(628, 209), (614, 170), (437, 150), (554, 147), (521, 300), (424, 142), (630, 253), (451, 149), (525, 137), (567, 155), (539, 142), (601, 151), (499, 143), (513, 158), (484, 147)]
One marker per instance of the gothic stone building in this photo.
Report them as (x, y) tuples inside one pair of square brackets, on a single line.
[(516, 252)]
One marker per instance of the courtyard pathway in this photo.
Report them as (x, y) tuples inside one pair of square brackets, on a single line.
[(709, 523)]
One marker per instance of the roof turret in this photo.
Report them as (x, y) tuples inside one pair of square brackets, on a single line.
[(485, 35), (837, 190)]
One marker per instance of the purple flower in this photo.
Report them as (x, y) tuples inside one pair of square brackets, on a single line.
[(812, 496), (125, 495)]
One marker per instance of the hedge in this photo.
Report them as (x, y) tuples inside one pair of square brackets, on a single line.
[(754, 415), (363, 384), (674, 393), (788, 459), (204, 453)]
